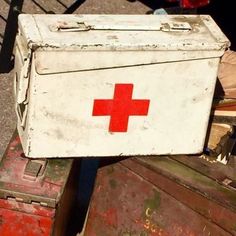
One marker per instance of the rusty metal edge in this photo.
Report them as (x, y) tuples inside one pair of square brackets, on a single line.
[(190, 198)]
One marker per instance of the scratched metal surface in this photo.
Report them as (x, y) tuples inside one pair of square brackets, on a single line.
[(146, 202), (16, 181), (41, 197), (7, 115)]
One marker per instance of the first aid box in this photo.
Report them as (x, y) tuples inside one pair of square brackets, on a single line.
[(115, 85)]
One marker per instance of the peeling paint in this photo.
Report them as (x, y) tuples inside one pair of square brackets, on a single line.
[(62, 91), (153, 212), (113, 183)]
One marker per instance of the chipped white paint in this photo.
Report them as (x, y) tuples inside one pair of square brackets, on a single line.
[(65, 63)]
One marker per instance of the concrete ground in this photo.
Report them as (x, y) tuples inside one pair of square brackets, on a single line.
[(7, 115)]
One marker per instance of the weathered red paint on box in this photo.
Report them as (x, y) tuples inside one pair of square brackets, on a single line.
[(25, 219), (34, 202), (160, 196)]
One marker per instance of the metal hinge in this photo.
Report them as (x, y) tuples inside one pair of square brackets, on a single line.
[(18, 199), (27, 198)]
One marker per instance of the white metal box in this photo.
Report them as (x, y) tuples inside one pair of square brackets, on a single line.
[(112, 85)]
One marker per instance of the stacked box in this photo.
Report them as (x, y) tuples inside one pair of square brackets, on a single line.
[(36, 196)]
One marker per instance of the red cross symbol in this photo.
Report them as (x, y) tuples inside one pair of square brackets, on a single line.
[(120, 107)]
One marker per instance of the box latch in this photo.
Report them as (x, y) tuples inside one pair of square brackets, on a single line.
[(24, 81), (21, 81), (34, 169)]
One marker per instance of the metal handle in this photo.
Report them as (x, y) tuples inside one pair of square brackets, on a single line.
[(73, 26), (69, 26)]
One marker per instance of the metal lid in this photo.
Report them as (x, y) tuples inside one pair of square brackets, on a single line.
[(39, 182), (122, 32)]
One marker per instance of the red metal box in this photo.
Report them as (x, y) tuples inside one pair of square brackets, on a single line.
[(163, 196), (35, 195)]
